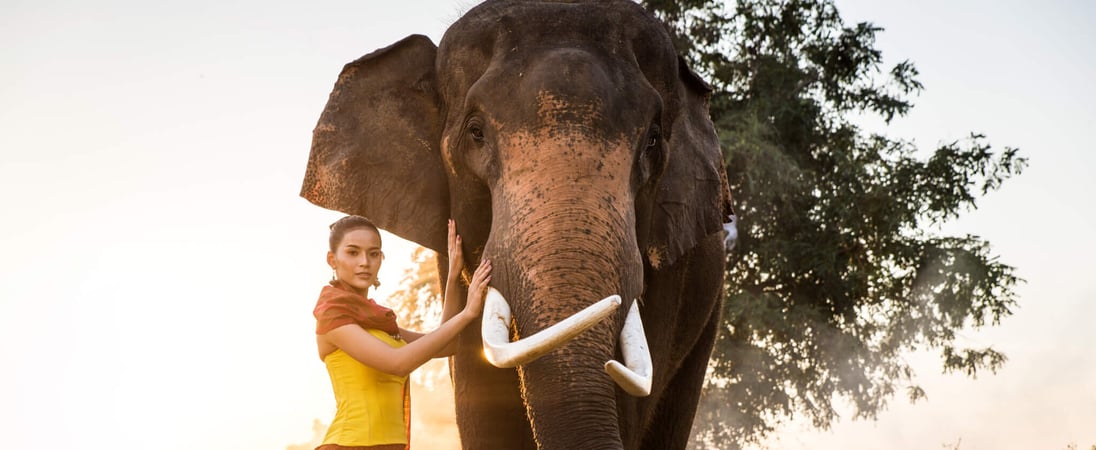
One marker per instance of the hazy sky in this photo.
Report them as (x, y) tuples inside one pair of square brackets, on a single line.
[(158, 270)]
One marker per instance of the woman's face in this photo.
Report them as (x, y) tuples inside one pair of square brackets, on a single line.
[(357, 259)]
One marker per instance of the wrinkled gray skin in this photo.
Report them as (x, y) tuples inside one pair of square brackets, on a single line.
[(574, 149)]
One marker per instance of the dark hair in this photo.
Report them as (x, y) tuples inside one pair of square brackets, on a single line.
[(345, 225)]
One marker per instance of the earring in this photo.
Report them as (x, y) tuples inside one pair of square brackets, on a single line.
[(376, 283), (333, 277)]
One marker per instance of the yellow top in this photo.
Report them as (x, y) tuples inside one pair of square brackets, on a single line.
[(370, 402)]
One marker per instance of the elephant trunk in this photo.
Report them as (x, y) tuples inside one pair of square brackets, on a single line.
[(570, 402)]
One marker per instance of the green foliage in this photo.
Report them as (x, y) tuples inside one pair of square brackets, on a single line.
[(835, 276)]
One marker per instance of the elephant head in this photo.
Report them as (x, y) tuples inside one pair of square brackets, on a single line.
[(573, 148)]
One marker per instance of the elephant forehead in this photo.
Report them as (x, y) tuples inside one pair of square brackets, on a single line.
[(519, 48), (564, 87), (554, 112)]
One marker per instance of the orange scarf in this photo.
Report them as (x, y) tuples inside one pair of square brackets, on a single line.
[(340, 306)]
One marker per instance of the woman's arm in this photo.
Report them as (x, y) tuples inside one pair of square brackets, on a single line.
[(453, 293), (452, 290), (452, 283), (373, 352)]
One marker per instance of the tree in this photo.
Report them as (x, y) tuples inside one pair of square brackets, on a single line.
[(836, 274), (418, 299)]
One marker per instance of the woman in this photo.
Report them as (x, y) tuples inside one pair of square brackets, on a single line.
[(368, 357)]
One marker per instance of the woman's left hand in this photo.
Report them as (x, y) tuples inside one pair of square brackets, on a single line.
[(477, 290)]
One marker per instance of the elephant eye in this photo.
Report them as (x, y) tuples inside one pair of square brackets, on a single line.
[(476, 132), (653, 137)]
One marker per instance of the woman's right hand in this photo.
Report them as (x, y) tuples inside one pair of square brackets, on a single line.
[(477, 290), (456, 254)]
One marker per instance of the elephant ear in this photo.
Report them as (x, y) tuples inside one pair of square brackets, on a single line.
[(375, 151), (692, 200)]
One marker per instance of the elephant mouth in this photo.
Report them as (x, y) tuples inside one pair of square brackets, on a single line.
[(633, 376)]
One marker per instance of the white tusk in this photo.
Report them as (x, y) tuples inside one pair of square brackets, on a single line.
[(731, 232), (635, 379), (496, 330)]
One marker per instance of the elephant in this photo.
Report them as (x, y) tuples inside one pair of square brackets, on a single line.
[(573, 147)]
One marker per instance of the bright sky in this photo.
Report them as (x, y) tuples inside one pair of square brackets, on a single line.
[(159, 269)]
